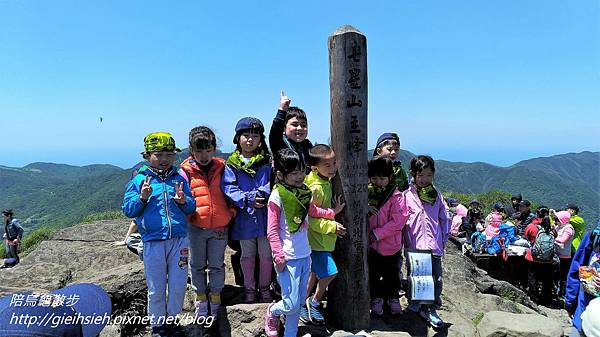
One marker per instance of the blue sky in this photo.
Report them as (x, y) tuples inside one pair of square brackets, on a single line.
[(493, 81)]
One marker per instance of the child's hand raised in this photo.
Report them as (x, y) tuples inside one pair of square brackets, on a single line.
[(179, 195), (338, 205), (284, 101), (146, 189), (340, 231)]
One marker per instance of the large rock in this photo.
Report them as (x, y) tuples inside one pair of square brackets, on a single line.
[(505, 324)]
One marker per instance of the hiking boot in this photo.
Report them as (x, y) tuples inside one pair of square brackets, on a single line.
[(265, 295), (377, 306), (314, 315), (431, 316), (413, 307), (304, 318), (249, 295), (214, 309), (201, 308), (395, 307), (272, 323), (159, 331)]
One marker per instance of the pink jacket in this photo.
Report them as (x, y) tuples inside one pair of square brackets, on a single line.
[(493, 229), (461, 212), (427, 226), (387, 226)]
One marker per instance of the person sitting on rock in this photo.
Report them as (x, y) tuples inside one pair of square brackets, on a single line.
[(473, 222), (576, 297), (525, 216), (13, 233), (160, 199), (513, 207)]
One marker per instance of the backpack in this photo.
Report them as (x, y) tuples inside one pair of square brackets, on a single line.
[(508, 232), (543, 246), (478, 242)]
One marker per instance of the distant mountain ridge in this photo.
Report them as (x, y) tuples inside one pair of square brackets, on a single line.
[(58, 194)]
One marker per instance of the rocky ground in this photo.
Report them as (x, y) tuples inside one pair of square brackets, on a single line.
[(474, 303)]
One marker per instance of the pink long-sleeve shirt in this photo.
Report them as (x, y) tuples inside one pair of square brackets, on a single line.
[(564, 238), (285, 245), (427, 226)]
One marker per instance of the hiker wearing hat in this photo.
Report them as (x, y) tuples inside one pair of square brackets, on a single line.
[(578, 224), (160, 200), (388, 144), (513, 207), (13, 233), (525, 216), (245, 182), (577, 298), (474, 220), (564, 236)]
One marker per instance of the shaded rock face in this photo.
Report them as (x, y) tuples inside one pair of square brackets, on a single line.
[(83, 254)]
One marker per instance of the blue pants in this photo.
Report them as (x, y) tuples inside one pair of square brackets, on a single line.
[(207, 251), (166, 269), (293, 281)]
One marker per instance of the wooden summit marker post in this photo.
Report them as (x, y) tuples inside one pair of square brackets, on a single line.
[(348, 300)]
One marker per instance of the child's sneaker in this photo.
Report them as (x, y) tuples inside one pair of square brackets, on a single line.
[(413, 307), (265, 295), (159, 331), (304, 315), (395, 307), (377, 306), (431, 316), (314, 315), (201, 308), (249, 296), (272, 323)]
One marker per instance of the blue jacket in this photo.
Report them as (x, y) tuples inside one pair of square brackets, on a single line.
[(574, 294), (241, 189), (160, 218), (13, 230)]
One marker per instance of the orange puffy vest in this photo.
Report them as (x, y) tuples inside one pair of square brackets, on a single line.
[(212, 209)]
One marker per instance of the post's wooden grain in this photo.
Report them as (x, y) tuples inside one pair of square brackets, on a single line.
[(348, 299)]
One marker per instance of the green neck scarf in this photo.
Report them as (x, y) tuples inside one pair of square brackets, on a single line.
[(295, 202), (400, 176), (427, 194), (379, 195), (259, 159)]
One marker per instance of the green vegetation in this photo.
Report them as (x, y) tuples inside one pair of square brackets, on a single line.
[(32, 240), (477, 319)]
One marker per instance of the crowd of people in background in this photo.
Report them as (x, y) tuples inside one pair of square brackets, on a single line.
[(543, 248)]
